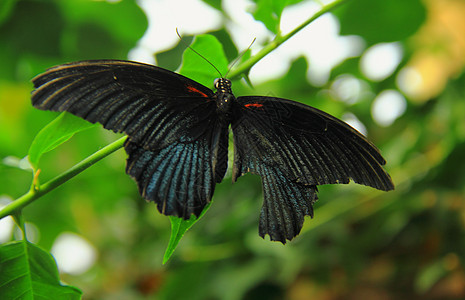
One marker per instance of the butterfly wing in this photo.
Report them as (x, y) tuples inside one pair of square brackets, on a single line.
[(150, 104), (163, 113), (181, 177), (294, 148)]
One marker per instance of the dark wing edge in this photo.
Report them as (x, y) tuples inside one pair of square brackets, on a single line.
[(294, 148), (285, 205)]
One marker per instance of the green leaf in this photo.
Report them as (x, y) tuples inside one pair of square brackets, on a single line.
[(54, 134), (20, 32), (69, 30), (6, 7), (216, 4), (106, 29), (429, 276), (123, 19), (197, 68), (269, 13), (382, 21), (179, 226), (28, 272)]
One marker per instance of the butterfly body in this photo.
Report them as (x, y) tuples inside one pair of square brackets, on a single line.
[(178, 133), (224, 99)]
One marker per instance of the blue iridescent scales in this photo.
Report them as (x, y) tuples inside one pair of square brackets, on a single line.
[(178, 131), (178, 177)]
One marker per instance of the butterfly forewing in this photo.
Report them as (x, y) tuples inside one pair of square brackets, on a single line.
[(152, 105)]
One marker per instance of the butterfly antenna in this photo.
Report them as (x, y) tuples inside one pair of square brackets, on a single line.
[(240, 56), (188, 46)]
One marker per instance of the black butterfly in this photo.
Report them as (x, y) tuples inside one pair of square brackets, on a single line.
[(178, 139)]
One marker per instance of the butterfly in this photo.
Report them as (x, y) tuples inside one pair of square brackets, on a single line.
[(178, 135)]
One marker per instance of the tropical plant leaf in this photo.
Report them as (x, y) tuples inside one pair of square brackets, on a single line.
[(6, 8), (179, 226), (28, 272), (269, 13), (54, 134), (382, 21), (197, 67)]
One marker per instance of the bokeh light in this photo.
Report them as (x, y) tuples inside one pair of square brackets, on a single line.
[(74, 254)]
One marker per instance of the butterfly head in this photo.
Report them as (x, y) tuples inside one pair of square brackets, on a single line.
[(223, 85)]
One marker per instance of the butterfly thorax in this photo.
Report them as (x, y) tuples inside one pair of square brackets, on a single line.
[(224, 98)]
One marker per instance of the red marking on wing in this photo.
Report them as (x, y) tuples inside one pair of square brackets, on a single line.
[(256, 105), (195, 90)]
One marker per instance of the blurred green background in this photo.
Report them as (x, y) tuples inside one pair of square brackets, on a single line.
[(361, 244)]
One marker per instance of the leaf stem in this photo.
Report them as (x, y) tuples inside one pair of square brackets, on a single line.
[(43, 189), (279, 39)]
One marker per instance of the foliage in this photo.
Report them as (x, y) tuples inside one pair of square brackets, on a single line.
[(54, 134), (29, 272), (361, 243)]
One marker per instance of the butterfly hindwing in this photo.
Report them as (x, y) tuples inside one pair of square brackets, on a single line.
[(286, 203), (181, 177), (298, 146)]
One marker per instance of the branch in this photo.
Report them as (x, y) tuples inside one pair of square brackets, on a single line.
[(278, 40), (43, 189)]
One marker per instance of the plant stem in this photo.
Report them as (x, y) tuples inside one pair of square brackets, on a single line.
[(43, 189), (279, 39)]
